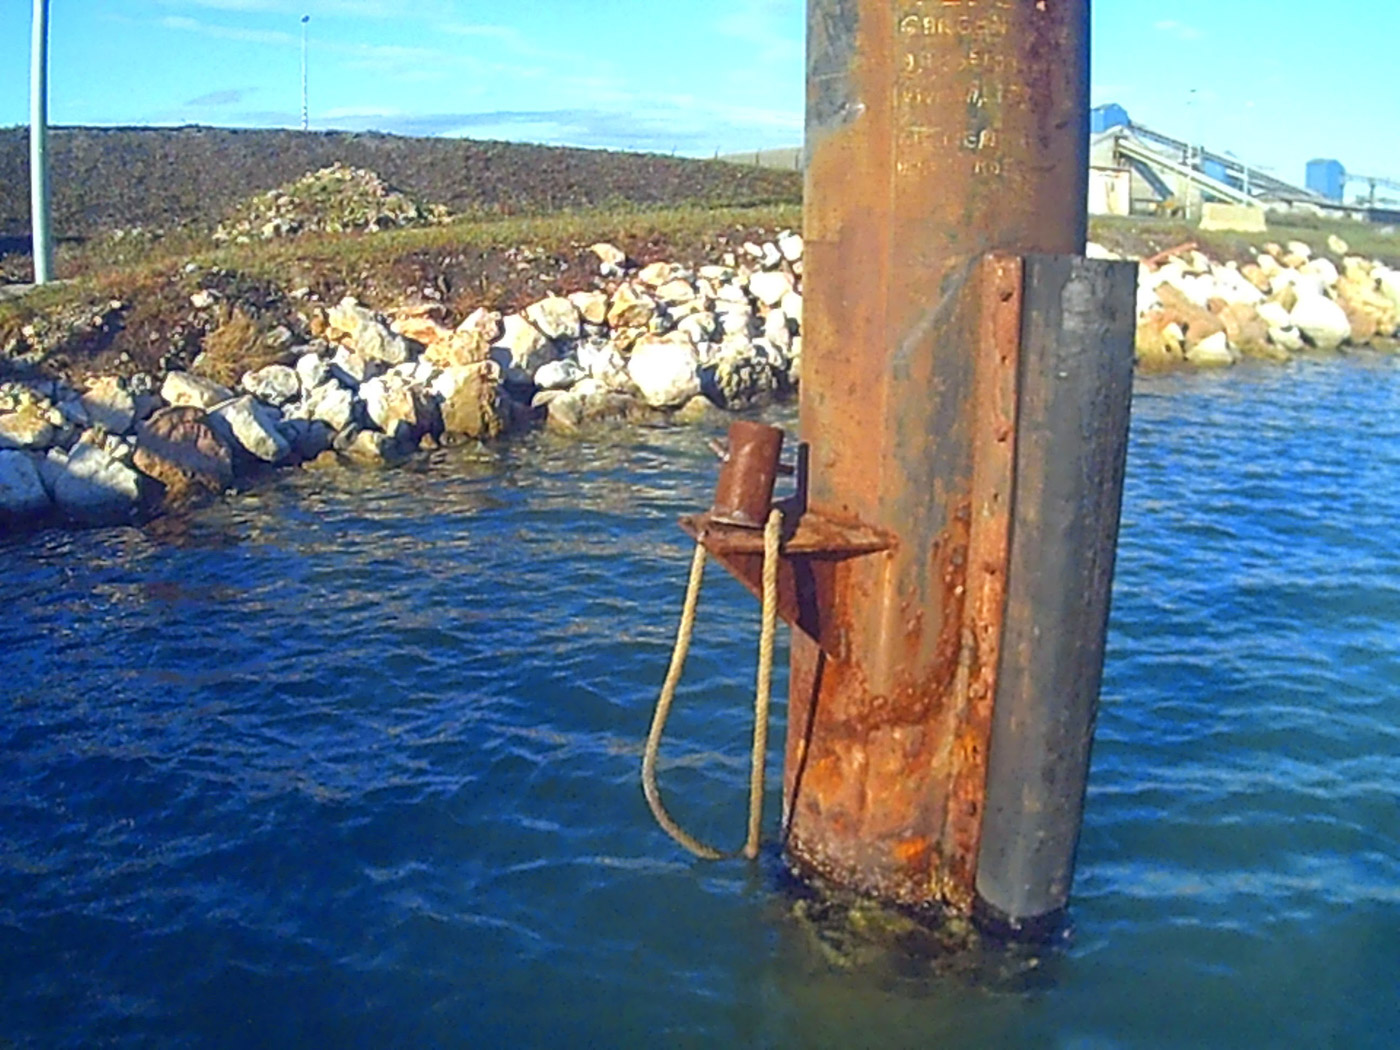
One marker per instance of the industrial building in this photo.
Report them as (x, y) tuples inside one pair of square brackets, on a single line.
[(1135, 170)]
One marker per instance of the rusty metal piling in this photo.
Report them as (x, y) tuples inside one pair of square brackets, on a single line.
[(964, 414)]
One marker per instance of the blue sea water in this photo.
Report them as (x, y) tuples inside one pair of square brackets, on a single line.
[(351, 760)]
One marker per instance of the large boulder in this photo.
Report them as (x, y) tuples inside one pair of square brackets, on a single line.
[(556, 317), (366, 333), (1322, 322), (109, 405), (28, 427), (592, 306), (769, 287), (742, 375), (89, 485), (631, 308), (402, 411), (521, 350), (331, 404), (186, 388), (276, 384), (472, 402), (666, 372), (248, 425), (22, 492), (178, 448), (559, 375)]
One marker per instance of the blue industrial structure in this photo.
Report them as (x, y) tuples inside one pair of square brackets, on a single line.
[(1327, 177), (1102, 118)]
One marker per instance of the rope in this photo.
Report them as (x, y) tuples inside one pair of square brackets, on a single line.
[(772, 537)]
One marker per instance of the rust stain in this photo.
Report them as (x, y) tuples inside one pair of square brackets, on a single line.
[(939, 133)]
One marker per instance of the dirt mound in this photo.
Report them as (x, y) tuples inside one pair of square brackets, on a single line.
[(336, 199)]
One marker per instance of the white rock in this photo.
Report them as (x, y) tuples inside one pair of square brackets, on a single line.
[(556, 317), (735, 319), (186, 388), (27, 428), (772, 257), (332, 404), (252, 426), (450, 380), (22, 493), (1322, 321), (368, 334), (602, 362), (202, 299), (1336, 245), (522, 350), (352, 369), (612, 259), (1288, 338), (769, 286), (395, 406), (592, 306), (677, 290), (1324, 270), (731, 292), (1388, 283), (1300, 249), (559, 375), (790, 245), (1211, 352), (109, 405), (715, 274), (776, 330), (699, 327), (312, 370), (666, 373), (792, 306), (88, 484), (1274, 315), (275, 384)]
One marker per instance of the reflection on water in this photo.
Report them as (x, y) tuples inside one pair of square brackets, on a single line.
[(351, 759)]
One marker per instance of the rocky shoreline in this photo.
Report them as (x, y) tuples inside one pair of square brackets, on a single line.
[(1193, 311), (643, 343), (656, 342)]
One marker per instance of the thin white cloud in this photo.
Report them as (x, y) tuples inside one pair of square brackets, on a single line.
[(1180, 30), (251, 36)]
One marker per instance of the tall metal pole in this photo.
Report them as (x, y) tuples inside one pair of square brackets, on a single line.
[(305, 100), (949, 371), (39, 143)]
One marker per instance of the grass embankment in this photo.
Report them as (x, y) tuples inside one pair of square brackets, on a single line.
[(502, 263)]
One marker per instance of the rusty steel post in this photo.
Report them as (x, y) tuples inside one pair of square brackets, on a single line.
[(744, 492), (946, 139)]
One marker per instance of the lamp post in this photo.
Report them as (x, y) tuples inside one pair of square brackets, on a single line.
[(38, 143), (305, 104)]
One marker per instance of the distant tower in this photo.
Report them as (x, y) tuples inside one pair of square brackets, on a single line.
[(1328, 178), (305, 104)]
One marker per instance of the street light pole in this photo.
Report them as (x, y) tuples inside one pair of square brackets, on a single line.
[(305, 105), (39, 144)]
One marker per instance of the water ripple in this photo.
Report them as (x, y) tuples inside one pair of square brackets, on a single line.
[(351, 760)]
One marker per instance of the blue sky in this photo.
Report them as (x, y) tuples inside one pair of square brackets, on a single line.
[(1276, 81)]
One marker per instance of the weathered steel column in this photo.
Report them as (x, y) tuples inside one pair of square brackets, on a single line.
[(947, 139)]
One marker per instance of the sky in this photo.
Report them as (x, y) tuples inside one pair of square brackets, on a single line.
[(1277, 82)]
